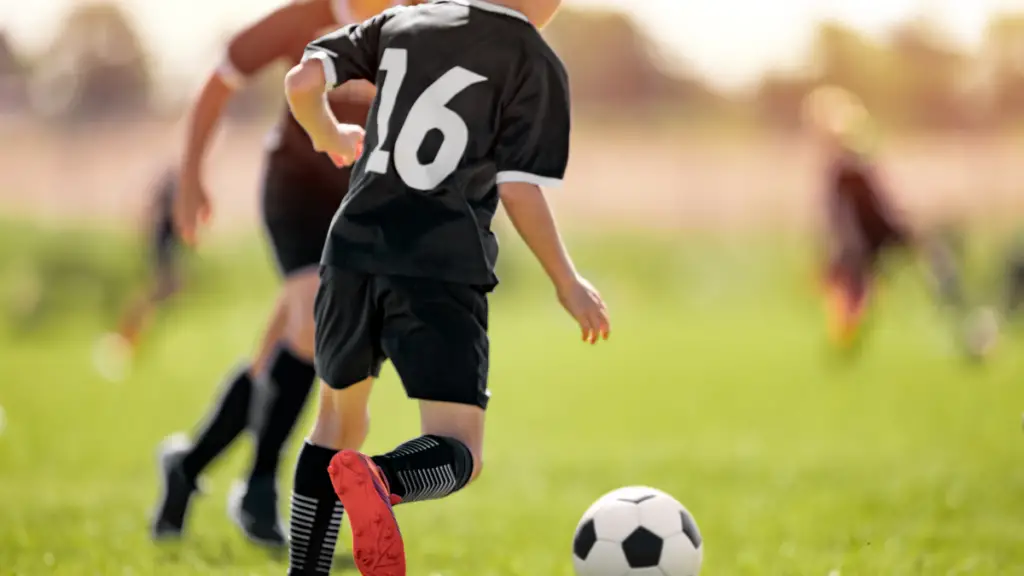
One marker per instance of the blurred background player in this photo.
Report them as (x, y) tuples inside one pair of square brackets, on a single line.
[(301, 189), (862, 223), (115, 350)]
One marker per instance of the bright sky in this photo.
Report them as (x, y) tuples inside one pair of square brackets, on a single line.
[(731, 40)]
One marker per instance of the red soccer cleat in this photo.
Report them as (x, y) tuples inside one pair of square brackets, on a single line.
[(377, 545)]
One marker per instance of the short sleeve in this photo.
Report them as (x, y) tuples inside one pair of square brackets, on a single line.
[(533, 141), (350, 53)]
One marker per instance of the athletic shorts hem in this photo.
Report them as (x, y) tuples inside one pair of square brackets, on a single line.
[(480, 402), (336, 381), (433, 332)]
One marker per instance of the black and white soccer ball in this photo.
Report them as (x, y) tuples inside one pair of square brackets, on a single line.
[(637, 531)]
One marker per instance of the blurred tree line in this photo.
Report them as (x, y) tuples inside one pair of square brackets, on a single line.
[(98, 67)]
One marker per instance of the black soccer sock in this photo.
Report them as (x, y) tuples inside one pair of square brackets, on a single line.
[(427, 468), (316, 514), (227, 421), (284, 391)]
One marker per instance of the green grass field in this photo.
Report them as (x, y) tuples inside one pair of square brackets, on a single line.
[(716, 387)]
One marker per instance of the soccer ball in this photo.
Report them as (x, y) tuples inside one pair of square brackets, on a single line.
[(637, 531)]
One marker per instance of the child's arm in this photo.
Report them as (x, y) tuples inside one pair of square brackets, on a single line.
[(350, 53), (248, 52), (530, 214), (304, 87), (532, 218), (532, 151)]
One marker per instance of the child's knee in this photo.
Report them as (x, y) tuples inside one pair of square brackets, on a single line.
[(299, 331)]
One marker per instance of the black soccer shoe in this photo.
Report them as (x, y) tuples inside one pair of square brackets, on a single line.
[(253, 507), (177, 489)]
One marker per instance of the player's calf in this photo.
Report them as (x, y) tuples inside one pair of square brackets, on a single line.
[(316, 512), (430, 467), (426, 468), (182, 462)]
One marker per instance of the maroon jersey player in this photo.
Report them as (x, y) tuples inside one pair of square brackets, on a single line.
[(301, 190)]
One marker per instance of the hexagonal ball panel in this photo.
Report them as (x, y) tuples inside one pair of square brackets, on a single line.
[(586, 537), (642, 548), (615, 520)]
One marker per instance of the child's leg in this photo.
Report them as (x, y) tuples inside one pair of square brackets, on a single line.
[(435, 333), (437, 464), (316, 513), (182, 461), (348, 358), (443, 460), (846, 301)]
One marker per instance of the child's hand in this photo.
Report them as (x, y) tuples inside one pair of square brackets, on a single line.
[(343, 144), (584, 303), (191, 208)]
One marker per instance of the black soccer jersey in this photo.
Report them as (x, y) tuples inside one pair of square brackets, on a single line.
[(469, 96)]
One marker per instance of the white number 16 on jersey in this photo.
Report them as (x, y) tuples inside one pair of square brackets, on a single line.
[(428, 112)]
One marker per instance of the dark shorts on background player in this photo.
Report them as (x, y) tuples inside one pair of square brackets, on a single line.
[(164, 242), (861, 234), (434, 332), (297, 208)]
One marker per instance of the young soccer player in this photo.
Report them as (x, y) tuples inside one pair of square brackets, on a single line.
[(114, 351), (472, 108), (862, 225), (301, 189)]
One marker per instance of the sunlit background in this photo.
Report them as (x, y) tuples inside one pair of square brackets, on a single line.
[(693, 200)]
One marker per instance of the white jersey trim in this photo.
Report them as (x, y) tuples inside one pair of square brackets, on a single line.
[(324, 56), (491, 7), (229, 73), (516, 176)]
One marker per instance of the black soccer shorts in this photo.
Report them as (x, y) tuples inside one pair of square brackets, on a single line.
[(434, 332), (163, 242), (297, 211)]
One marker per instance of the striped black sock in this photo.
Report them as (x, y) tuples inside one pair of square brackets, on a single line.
[(315, 516), (427, 468)]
